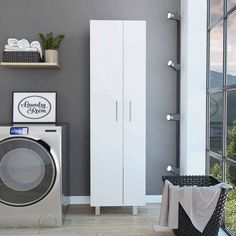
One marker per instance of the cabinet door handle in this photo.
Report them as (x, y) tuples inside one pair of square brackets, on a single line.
[(130, 111), (116, 111)]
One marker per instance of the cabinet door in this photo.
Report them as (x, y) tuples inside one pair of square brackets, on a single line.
[(106, 85), (134, 112)]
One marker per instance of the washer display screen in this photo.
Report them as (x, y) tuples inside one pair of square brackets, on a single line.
[(19, 130)]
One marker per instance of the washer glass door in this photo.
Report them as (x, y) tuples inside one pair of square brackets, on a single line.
[(27, 171)]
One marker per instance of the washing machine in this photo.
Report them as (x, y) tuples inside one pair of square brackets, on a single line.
[(34, 175)]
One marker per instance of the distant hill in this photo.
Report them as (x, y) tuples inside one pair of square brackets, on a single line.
[(217, 102), (216, 79)]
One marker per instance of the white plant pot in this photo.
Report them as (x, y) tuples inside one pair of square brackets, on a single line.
[(51, 56)]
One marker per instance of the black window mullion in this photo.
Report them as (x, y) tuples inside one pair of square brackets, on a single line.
[(225, 7), (215, 155), (230, 87), (215, 24), (208, 14), (208, 122), (225, 90), (230, 162), (215, 90), (207, 161)]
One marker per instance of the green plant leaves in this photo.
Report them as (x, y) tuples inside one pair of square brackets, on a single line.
[(50, 41)]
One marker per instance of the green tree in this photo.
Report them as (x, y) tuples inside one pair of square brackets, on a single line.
[(231, 148), (216, 171), (230, 207)]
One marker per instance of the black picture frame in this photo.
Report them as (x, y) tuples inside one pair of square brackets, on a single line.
[(42, 120)]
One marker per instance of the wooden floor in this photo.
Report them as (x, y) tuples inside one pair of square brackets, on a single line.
[(118, 221)]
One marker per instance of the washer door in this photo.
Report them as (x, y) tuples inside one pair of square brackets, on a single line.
[(27, 171)]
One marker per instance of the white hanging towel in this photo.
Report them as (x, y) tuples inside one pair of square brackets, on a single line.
[(23, 43), (198, 202), (12, 42), (170, 206), (37, 45)]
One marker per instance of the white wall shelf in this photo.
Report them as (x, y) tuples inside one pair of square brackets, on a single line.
[(30, 65)]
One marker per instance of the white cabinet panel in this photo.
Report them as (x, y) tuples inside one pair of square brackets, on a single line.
[(118, 112), (106, 68), (134, 112)]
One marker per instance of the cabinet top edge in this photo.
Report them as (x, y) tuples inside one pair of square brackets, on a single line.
[(144, 21)]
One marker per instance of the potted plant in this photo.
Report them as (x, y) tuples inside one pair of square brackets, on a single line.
[(51, 44)]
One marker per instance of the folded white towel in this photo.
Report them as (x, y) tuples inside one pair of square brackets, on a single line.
[(37, 45), (12, 42), (17, 49), (7, 47), (23, 43), (23, 46)]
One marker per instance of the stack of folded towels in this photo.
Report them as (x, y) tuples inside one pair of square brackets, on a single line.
[(23, 45)]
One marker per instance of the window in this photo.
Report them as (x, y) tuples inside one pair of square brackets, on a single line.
[(216, 9), (216, 56), (216, 122), (231, 49), (230, 4), (221, 100)]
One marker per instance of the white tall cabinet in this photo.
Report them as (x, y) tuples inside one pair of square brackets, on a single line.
[(118, 113)]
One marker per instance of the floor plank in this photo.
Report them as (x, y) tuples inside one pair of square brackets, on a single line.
[(19, 231), (113, 221)]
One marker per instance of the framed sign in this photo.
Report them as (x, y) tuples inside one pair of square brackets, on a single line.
[(34, 107)]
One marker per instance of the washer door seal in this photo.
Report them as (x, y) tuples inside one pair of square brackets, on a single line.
[(27, 171)]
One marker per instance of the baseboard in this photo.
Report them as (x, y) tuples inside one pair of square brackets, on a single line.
[(74, 200), (153, 198)]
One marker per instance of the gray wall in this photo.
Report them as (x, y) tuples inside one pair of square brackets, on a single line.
[(25, 19)]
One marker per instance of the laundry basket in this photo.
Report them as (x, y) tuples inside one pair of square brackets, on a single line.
[(186, 227)]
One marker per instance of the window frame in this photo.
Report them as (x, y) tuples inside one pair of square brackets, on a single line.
[(224, 89)]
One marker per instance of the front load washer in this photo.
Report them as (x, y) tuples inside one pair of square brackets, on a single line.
[(34, 175)]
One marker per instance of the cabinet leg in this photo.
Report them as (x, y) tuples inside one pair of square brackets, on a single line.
[(97, 211), (135, 210)]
